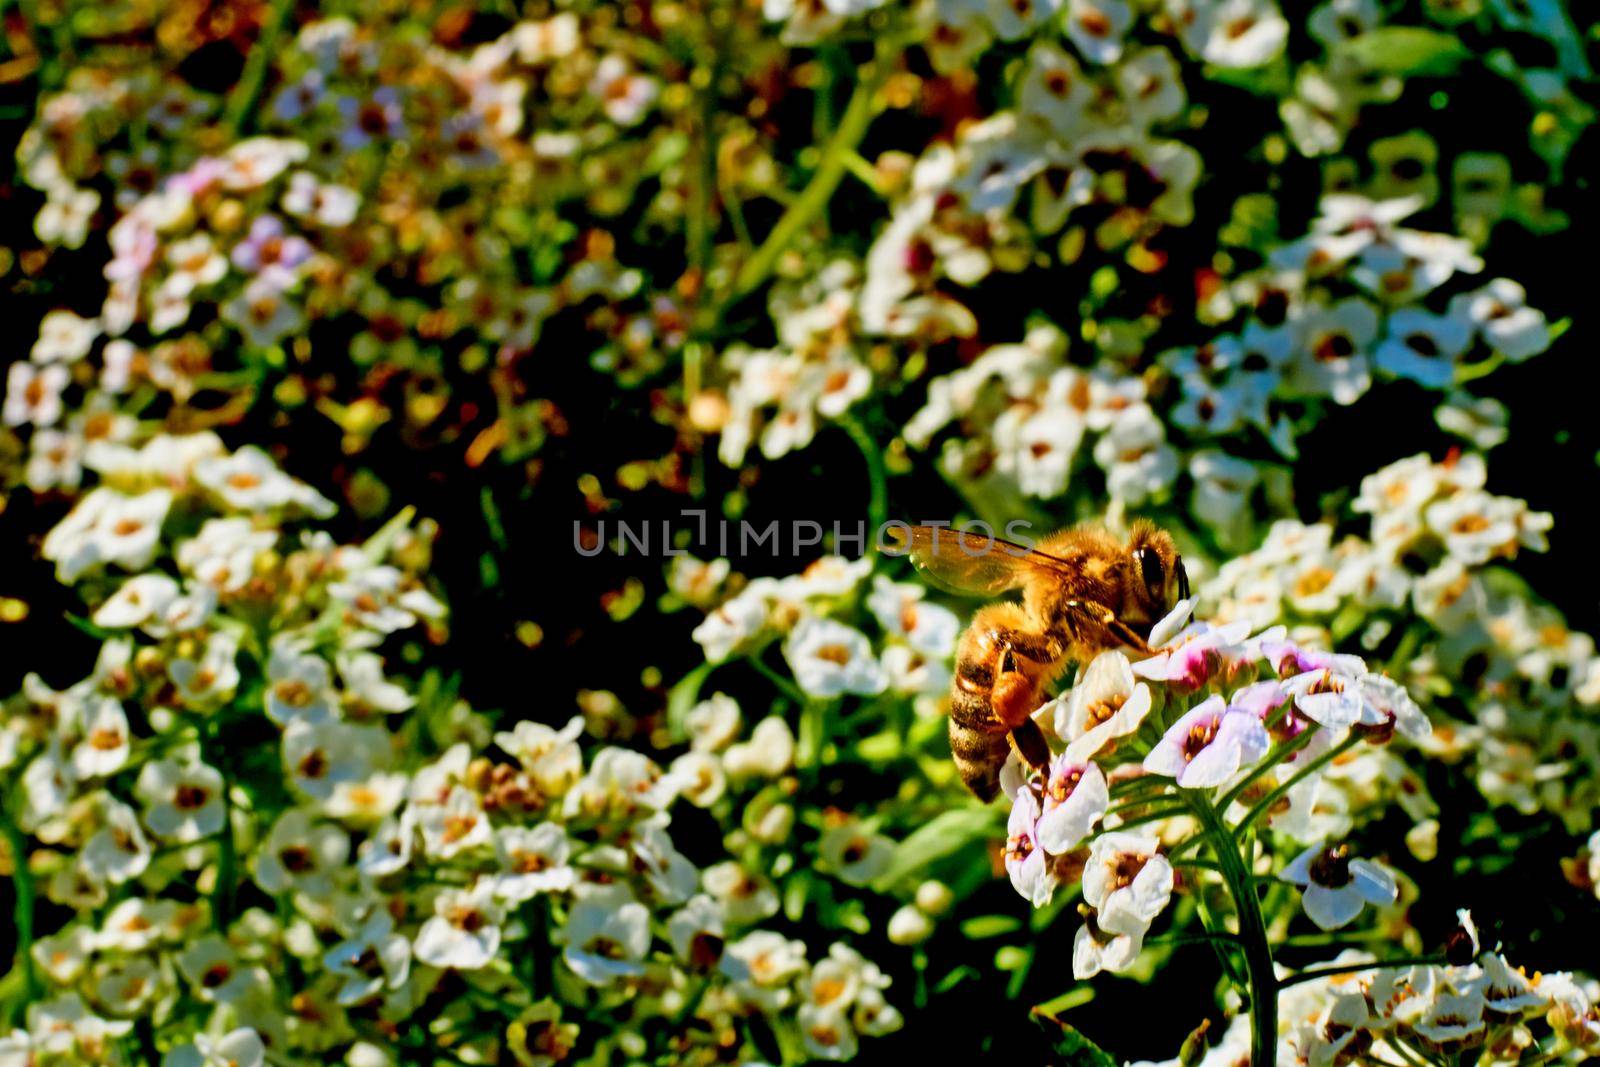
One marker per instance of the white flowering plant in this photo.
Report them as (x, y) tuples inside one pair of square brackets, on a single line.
[(368, 352)]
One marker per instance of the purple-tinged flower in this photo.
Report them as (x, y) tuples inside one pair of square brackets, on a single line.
[(299, 98), (1263, 699), (1194, 655), (1209, 745), (268, 249), (1387, 708), (1024, 859), (1336, 887), (1074, 797), (367, 120)]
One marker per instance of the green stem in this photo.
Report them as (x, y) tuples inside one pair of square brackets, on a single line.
[(222, 893), (813, 733), (784, 685), (1218, 937), (1266, 802), (1252, 934), (877, 481), (242, 101), (858, 115), (22, 911), (1274, 758), (1153, 816), (1352, 968)]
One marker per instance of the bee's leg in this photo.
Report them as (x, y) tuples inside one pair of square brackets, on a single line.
[(1031, 745), (1083, 615), (1030, 646)]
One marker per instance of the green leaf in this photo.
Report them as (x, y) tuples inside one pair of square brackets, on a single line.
[(377, 547), (1406, 50), (945, 835), (1072, 1046), (1076, 997), (983, 927), (683, 696)]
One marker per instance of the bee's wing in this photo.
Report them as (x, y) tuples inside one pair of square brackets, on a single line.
[(972, 563)]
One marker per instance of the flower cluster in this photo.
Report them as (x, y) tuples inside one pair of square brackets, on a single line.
[(1199, 720), (1475, 1006), (1509, 687), (266, 840)]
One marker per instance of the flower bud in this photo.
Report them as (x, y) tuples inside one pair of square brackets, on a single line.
[(909, 925), (1423, 839), (934, 897), (774, 825)]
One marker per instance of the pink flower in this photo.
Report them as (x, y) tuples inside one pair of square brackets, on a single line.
[(1209, 745)]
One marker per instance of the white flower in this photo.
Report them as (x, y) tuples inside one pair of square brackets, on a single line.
[(1504, 320), (768, 753), (211, 680), (108, 527), (223, 554), (183, 802), (1096, 28), (378, 598), (104, 748), (366, 688), (606, 936), (703, 780), (761, 964), (213, 971), (533, 860), (1423, 347), (64, 337), (1507, 991), (248, 480), (713, 723), (135, 601), (901, 611), (551, 757), (1451, 1018), (457, 824), (1231, 33), (735, 621), (389, 848), (301, 855), (373, 960), (1332, 344), (1336, 886), (696, 931), (1127, 881), (237, 1048), (827, 1032), (318, 757), (55, 459), (33, 394), (1106, 704), (829, 659), (118, 851), (854, 853), (623, 783), (464, 932), (624, 96), (263, 312)]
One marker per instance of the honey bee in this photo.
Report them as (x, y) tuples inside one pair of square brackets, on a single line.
[(1083, 592)]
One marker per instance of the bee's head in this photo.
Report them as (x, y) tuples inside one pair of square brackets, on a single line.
[(1158, 580)]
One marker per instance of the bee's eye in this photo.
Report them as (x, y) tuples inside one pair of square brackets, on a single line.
[(1155, 578)]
